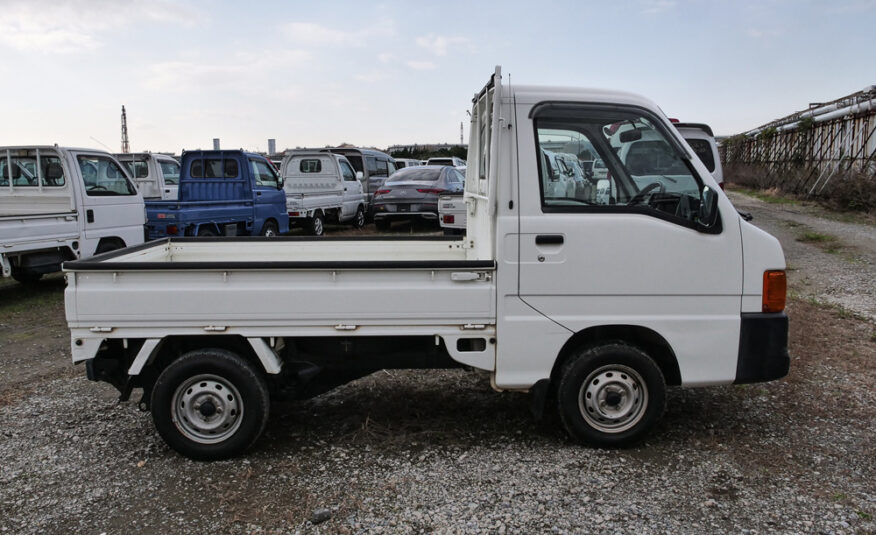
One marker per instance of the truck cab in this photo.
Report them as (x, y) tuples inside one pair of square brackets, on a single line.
[(221, 193), (59, 204), (155, 175)]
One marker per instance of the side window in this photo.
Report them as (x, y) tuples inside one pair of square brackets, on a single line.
[(391, 168), (347, 172), (382, 167), (637, 165), (371, 163), (264, 174), (103, 176), (170, 172)]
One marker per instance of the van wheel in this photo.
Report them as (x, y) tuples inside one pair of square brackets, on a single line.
[(359, 219), (317, 224), (210, 404), (381, 224), (25, 276), (270, 230), (610, 395)]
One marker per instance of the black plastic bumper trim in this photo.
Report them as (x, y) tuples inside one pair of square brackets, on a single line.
[(763, 348)]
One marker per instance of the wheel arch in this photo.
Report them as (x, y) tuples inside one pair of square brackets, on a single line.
[(646, 339)]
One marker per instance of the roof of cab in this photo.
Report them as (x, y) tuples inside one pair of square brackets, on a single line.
[(534, 94)]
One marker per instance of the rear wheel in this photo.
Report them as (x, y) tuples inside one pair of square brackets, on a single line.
[(359, 219), (610, 395), (207, 232), (270, 230), (210, 404), (317, 224)]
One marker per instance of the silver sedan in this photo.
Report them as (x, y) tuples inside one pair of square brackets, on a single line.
[(412, 193)]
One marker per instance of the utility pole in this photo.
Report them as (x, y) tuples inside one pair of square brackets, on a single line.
[(126, 148)]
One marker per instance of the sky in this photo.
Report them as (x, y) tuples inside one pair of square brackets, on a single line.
[(325, 73)]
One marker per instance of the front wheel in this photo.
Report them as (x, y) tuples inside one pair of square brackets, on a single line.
[(610, 395), (210, 404), (270, 230)]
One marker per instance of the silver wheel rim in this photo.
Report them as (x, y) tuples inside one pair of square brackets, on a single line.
[(360, 218), (269, 233), (207, 409), (317, 226), (613, 398)]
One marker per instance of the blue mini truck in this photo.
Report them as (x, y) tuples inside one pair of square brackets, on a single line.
[(221, 193)]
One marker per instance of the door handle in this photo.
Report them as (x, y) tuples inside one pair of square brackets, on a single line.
[(549, 239), (89, 216), (258, 193)]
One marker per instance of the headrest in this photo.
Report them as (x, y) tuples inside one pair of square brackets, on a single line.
[(54, 170)]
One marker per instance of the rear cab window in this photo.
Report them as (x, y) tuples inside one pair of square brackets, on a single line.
[(25, 170), (703, 150), (214, 168)]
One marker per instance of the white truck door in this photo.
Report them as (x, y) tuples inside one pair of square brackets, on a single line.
[(352, 191), (168, 173), (112, 206), (635, 257)]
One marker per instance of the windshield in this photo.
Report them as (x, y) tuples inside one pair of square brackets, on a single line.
[(415, 174)]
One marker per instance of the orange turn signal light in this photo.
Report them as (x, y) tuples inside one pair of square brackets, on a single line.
[(775, 287)]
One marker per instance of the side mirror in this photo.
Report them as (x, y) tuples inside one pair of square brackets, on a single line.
[(708, 213), (360, 175), (280, 182)]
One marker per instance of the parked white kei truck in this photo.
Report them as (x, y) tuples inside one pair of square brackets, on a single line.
[(321, 186), (59, 204), (155, 175), (594, 307)]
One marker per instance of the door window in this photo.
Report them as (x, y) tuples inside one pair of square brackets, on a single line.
[(103, 177), (347, 172), (639, 167), (170, 172), (264, 174)]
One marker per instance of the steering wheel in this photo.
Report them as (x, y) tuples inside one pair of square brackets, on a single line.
[(637, 198)]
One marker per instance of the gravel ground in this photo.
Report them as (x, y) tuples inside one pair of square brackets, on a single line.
[(828, 260), (423, 452)]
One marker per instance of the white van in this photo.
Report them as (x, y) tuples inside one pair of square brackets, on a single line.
[(321, 186), (446, 160), (155, 175), (59, 204), (701, 139), (401, 163)]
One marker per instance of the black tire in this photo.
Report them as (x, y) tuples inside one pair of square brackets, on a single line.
[(382, 224), (228, 404), (25, 276), (610, 395), (207, 232), (317, 224), (359, 218), (106, 246), (270, 230)]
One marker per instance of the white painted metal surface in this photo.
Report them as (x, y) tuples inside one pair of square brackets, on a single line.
[(47, 217)]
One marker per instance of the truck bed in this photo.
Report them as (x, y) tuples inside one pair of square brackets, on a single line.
[(343, 284)]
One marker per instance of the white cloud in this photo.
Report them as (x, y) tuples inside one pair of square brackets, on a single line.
[(421, 65), (652, 7), (385, 57), (312, 33), (78, 25), (438, 44)]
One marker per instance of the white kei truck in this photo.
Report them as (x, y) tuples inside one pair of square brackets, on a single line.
[(322, 186), (156, 175), (59, 204), (592, 308)]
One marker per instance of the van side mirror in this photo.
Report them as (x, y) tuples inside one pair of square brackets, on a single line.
[(360, 175), (708, 213)]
